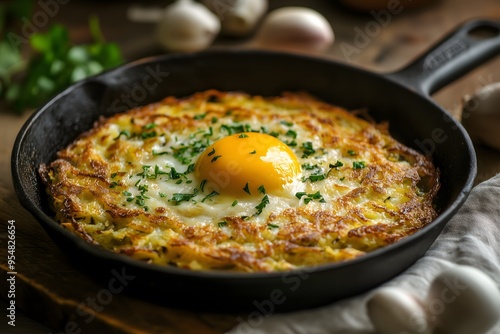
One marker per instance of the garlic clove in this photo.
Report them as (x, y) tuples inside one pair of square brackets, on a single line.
[(481, 115), (238, 17), (187, 26), (463, 300), (395, 311), (295, 29)]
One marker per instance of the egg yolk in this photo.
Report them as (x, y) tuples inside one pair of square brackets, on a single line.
[(247, 164)]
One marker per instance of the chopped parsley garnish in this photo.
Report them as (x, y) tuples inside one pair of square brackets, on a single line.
[(262, 205), (189, 169), (146, 135), (358, 164), (125, 133), (308, 149), (149, 126), (214, 159), (270, 226), (113, 175), (232, 129), (309, 197), (159, 153), (351, 152), (234, 203), (342, 178), (222, 223), (336, 165), (127, 193), (243, 135), (162, 195), (246, 189), (214, 120), (262, 190), (314, 177), (388, 198), (174, 175), (200, 116), (212, 152), (113, 184), (291, 133), (300, 194), (291, 143), (253, 152), (202, 185), (286, 123), (180, 197), (184, 154), (212, 194), (274, 134), (309, 166)]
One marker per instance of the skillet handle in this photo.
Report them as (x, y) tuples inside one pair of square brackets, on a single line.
[(464, 49)]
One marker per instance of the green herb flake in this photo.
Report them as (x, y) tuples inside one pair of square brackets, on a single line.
[(247, 189), (212, 194), (253, 152), (287, 123), (113, 184), (146, 135), (351, 152), (182, 197), (358, 164), (308, 149), (200, 116), (291, 133), (235, 202), (202, 185), (271, 226), (214, 159), (149, 126), (336, 165), (300, 194), (212, 152), (125, 133), (388, 198), (262, 205), (243, 135), (262, 190), (222, 223), (127, 193), (173, 174), (214, 120)]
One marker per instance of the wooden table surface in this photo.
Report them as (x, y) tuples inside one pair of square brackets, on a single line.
[(49, 287)]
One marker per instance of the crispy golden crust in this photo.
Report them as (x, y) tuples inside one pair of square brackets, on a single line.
[(380, 194)]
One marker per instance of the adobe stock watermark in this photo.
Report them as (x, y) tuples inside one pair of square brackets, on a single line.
[(373, 28), (88, 308), (39, 19), (436, 306), (132, 97)]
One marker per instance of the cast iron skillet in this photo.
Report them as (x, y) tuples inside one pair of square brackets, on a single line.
[(402, 98)]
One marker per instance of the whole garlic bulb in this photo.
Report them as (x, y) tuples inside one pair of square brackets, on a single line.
[(238, 17), (393, 311), (187, 26), (481, 115), (295, 29), (463, 300)]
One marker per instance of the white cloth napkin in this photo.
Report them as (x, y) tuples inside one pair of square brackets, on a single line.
[(471, 237)]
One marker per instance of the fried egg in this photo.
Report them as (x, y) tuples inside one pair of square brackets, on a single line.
[(230, 181)]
